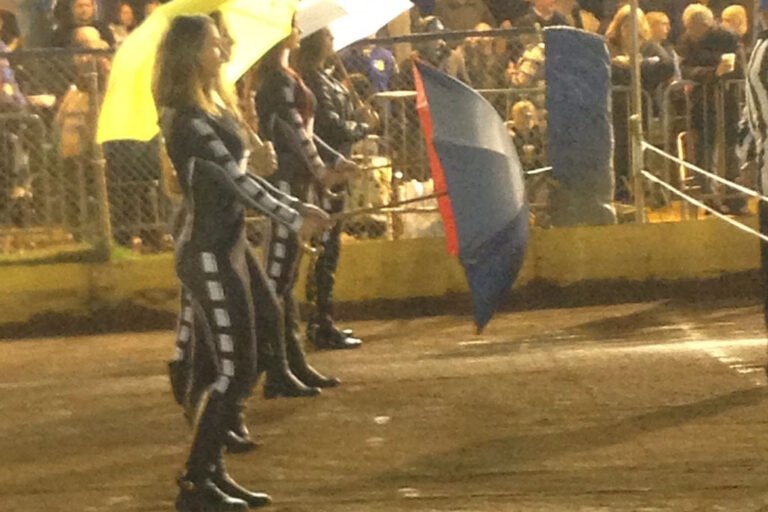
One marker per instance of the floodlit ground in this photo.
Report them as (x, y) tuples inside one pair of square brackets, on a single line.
[(650, 406)]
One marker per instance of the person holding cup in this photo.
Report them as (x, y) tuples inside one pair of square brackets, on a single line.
[(708, 58)]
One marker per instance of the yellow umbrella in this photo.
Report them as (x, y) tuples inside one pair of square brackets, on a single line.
[(128, 111)]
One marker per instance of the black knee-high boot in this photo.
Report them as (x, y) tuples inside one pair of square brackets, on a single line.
[(295, 352), (280, 379), (197, 490), (321, 329), (228, 486), (270, 339)]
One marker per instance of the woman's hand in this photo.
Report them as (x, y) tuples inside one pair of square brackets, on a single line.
[(315, 221), (263, 158), (341, 172)]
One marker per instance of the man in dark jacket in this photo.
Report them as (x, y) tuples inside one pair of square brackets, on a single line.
[(708, 58)]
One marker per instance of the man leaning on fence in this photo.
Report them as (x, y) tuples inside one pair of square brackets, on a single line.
[(708, 58), (756, 117)]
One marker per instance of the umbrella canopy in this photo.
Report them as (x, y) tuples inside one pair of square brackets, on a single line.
[(128, 111), (312, 15), (472, 157), (364, 18)]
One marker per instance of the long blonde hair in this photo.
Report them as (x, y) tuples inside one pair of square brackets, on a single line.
[(178, 79), (177, 83), (622, 16)]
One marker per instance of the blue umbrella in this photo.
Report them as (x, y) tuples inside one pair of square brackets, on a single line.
[(472, 157)]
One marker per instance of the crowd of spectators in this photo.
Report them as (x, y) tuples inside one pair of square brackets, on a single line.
[(707, 43)]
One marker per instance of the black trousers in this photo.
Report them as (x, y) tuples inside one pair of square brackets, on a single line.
[(219, 289), (324, 272), (195, 351), (283, 259)]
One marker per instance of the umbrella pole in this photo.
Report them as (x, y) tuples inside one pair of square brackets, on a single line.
[(342, 216), (636, 117)]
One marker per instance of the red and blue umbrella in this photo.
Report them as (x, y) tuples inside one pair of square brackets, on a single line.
[(473, 158)]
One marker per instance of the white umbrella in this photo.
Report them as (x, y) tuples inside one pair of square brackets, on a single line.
[(365, 18), (312, 15)]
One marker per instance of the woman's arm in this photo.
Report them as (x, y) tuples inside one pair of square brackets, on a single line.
[(198, 140), (328, 121), (283, 106)]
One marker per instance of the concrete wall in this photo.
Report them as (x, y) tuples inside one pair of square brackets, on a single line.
[(408, 268)]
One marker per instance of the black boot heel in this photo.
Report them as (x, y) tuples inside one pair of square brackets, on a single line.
[(285, 384), (205, 496), (312, 377), (228, 486)]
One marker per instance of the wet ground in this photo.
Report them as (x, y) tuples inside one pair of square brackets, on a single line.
[(648, 406)]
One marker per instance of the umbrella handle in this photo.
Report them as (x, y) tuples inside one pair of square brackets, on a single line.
[(342, 216)]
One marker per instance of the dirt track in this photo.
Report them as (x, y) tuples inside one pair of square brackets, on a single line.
[(653, 406)]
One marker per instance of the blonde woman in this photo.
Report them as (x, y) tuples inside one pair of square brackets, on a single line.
[(656, 67), (204, 141)]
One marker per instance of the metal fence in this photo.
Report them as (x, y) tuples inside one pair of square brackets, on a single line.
[(61, 189)]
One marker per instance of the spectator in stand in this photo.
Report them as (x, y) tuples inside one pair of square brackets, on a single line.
[(435, 52), (577, 17), (376, 63), (527, 135), (486, 68), (655, 68), (507, 10), (75, 126), (126, 22), (425, 6), (659, 24), (528, 71), (542, 13), (150, 6), (10, 34), (81, 13), (463, 14), (11, 97), (708, 58), (734, 19)]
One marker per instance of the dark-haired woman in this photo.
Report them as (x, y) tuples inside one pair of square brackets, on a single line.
[(306, 168), (335, 124), (204, 142)]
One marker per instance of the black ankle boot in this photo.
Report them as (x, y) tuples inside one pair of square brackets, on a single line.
[(326, 336), (204, 496), (177, 371), (284, 383), (228, 486)]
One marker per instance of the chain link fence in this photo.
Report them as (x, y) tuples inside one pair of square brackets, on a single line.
[(62, 191)]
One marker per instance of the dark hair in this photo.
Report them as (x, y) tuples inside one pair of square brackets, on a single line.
[(120, 5), (176, 81), (311, 51), (270, 62), (10, 29)]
